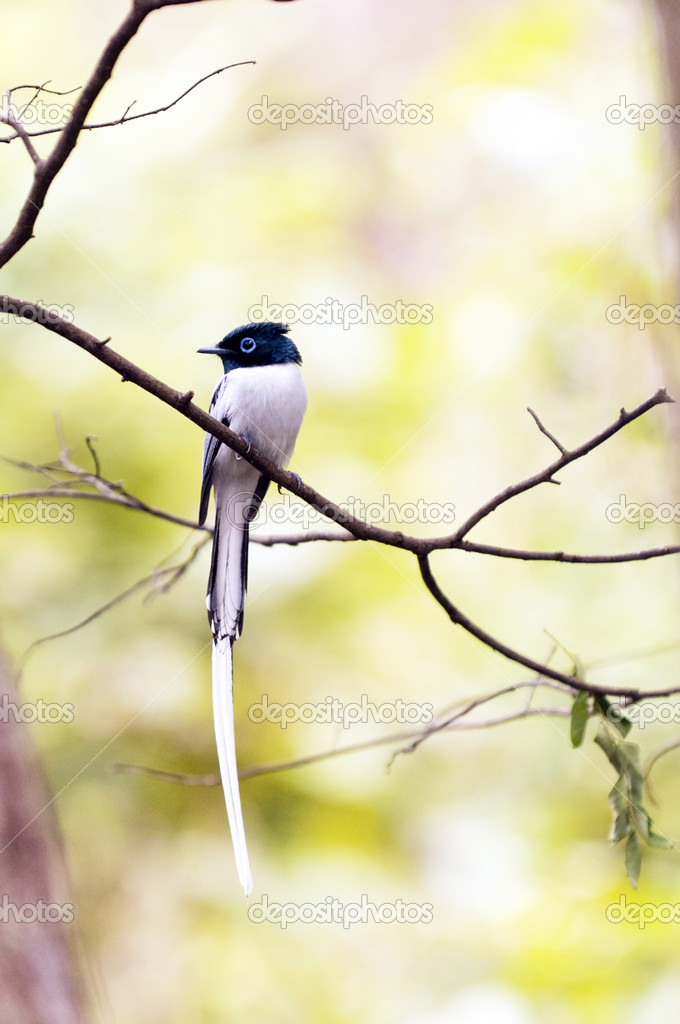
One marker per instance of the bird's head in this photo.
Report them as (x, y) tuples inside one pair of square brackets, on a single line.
[(255, 345)]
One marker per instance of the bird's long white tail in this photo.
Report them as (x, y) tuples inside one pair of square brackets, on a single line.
[(223, 712)]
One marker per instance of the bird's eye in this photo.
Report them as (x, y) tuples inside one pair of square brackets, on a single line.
[(248, 345)]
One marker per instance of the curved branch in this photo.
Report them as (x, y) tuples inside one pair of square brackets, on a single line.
[(458, 618), (213, 778), (421, 547), (546, 476), (160, 580), (119, 120), (181, 402), (46, 170)]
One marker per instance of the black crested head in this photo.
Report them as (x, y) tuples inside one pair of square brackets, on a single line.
[(261, 344)]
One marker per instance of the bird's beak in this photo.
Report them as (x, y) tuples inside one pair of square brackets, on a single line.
[(212, 350)]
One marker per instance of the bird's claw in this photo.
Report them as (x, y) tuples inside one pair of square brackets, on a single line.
[(247, 449), (296, 476)]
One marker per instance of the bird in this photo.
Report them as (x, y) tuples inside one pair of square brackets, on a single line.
[(262, 397)]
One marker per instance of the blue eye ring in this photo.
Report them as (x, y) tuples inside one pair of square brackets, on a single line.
[(248, 345)]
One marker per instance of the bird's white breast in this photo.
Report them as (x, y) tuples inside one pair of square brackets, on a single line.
[(264, 404)]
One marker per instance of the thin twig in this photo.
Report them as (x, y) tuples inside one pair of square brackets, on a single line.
[(674, 745), (547, 433), (460, 619), (21, 133), (129, 371), (213, 779), (133, 117), (161, 580), (659, 397)]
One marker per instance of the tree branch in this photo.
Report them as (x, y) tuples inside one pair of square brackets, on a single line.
[(46, 170), (361, 530), (459, 619), (213, 778), (119, 120), (545, 476)]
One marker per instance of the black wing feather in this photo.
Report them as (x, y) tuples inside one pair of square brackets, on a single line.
[(210, 450), (258, 495)]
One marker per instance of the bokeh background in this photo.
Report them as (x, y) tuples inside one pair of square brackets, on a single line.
[(520, 214)]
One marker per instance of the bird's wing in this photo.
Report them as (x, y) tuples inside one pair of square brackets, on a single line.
[(211, 447), (256, 501), (236, 504)]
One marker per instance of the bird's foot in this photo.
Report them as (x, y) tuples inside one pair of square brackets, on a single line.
[(247, 449), (295, 475)]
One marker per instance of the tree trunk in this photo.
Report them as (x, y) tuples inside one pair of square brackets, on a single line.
[(38, 976)]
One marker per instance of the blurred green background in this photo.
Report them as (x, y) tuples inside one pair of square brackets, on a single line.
[(520, 214)]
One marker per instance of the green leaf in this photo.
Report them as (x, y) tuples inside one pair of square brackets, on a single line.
[(614, 714), (641, 820), (630, 816), (610, 747), (623, 723), (618, 798), (631, 754), (655, 838), (579, 719), (633, 859)]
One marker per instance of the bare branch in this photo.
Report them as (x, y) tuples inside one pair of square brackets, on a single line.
[(126, 115), (213, 779), (547, 433), (21, 133), (95, 458), (658, 398), (160, 581), (46, 171), (61, 488), (129, 371), (459, 619), (563, 556), (455, 716), (293, 539), (121, 498)]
